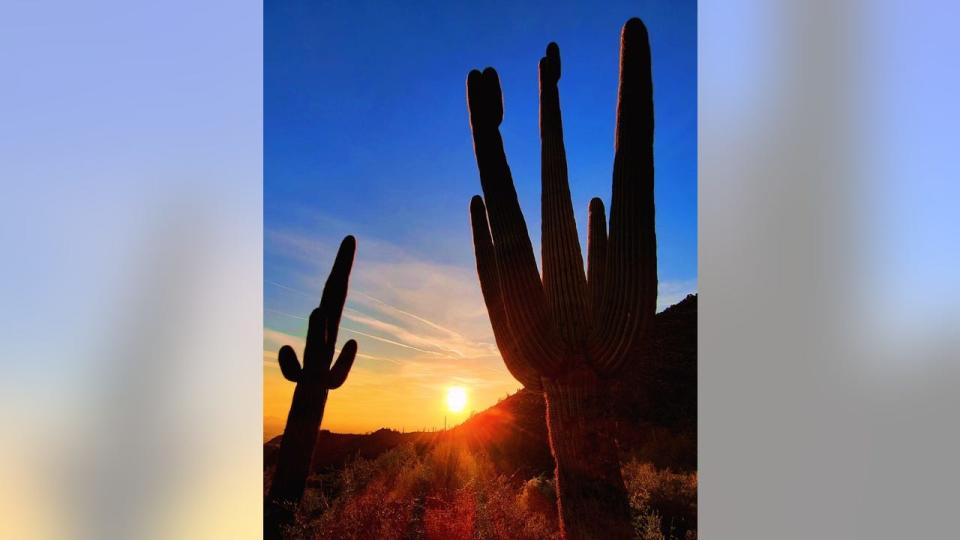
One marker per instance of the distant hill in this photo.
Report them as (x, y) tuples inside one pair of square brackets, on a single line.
[(654, 404)]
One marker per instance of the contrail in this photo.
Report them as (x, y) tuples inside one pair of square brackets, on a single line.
[(285, 314), (371, 336), (412, 315), (298, 291), (371, 357), (394, 330), (359, 354), (391, 342)]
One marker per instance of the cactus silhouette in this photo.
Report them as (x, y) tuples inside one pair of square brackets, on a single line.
[(567, 333), (314, 379)]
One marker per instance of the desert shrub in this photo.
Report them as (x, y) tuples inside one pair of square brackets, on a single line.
[(373, 499), (501, 514), (412, 482), (663, 503), (451, 517), (662, 447), (355, 476), (539, 495), (648, 526), (451, 468), (369, 514)]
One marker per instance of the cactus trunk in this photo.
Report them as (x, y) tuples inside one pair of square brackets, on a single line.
[(592, 499), (299, 436)]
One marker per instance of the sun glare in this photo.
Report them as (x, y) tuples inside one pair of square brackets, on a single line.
[(456, 399)]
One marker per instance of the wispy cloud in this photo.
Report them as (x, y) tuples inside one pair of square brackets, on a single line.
[(394, 294)]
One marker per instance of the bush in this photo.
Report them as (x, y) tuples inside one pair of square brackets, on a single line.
[(663, 503), (539, 495)]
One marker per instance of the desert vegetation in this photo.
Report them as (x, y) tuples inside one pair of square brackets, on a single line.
[(449, 491)]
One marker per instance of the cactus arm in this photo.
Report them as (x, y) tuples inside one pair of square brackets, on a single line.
[(524, 300), (341, 368), (563, 280), (490, 287), (630, 288), (289, 365), (596, 252)]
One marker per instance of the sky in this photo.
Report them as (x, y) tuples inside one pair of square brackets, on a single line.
[(366, 132)]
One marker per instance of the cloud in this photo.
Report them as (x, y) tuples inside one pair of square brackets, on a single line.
[(395, 295)]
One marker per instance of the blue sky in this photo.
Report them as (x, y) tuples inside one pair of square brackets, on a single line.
[(366, 133)]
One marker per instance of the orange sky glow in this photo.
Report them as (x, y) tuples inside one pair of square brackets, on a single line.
[(421, 326)]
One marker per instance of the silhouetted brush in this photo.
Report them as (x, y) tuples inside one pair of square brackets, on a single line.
[(567, 332), (314, 379)]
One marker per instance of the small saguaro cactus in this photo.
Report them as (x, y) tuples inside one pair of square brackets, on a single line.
[(314, 379), (568, 333)]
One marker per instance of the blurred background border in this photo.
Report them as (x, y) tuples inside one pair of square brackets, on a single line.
[(131, 212)]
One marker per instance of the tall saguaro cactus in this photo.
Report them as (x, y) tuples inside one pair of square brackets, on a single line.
[(568, 333), (314, 379)]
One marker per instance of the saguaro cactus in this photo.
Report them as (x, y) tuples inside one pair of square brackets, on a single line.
[(314, 380), (567, 333)]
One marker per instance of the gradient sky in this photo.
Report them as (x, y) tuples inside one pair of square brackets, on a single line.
[(366, 133)]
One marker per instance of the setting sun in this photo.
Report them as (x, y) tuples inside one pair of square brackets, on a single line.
[(456, 399)]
